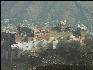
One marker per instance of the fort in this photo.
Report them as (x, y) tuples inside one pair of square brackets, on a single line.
[(25, 42)]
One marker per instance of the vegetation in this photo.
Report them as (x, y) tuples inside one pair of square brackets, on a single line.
[(24, 31), (41, 12), (68, 53)]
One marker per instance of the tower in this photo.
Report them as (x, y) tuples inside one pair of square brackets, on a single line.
[(83, 36)]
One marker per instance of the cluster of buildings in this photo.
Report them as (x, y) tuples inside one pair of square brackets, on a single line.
[(34, 38)]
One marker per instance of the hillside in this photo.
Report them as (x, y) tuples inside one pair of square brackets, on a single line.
[(40, 12)]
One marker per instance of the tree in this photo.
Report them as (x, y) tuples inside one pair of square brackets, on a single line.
[(52, 59), (86, 52), (69, 51)]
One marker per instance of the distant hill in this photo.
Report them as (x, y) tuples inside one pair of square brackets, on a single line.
[(39, 12)]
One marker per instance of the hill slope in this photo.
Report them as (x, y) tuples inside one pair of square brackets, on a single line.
[(43, 11)]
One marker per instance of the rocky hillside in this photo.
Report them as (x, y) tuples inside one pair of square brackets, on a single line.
[(40, 12)]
